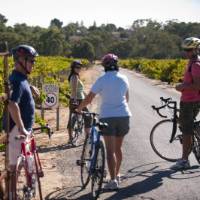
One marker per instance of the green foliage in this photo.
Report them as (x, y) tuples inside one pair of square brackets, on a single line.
[(39, 120), (168, 70), (146, 38), (2, 147), (47, 70)]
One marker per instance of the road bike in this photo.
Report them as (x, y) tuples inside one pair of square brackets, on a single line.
[(76, 122), (166, 136), (26, 177), (29, 168), (92, 162), (77, 126)]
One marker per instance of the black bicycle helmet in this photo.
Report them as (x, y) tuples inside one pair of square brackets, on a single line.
[(76, 63), (24, 51)]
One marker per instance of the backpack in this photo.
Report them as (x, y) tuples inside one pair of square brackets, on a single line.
[(190, 67)]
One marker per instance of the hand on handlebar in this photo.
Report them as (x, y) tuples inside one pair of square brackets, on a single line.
[(179, 87), (24, 132), (78, 110)]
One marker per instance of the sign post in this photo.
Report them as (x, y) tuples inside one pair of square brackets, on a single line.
[(52, 96), (52, 99)]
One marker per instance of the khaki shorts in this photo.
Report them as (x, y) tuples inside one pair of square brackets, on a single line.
[(188, 113), (117, 126), (14, 146)]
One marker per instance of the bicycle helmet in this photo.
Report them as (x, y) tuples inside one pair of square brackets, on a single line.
[(109, 60), (76, 63), (25, 51), (191, 43)]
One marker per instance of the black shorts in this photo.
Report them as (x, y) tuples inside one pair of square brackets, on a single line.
[(117, 126), (188, 113)]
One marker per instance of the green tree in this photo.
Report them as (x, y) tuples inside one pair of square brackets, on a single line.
[(84, 49), (56, 22)]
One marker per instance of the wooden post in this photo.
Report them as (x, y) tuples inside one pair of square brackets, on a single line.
[(42, 112), (57, 118), (7, 129)]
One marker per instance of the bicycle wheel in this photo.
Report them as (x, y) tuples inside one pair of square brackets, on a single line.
[(76, 127), (160, 141), (3, 184), (98, 173), (85, 162), (36, 177), (196, 148), (23, 180)]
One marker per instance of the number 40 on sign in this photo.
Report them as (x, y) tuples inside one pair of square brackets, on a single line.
[(52, 96)]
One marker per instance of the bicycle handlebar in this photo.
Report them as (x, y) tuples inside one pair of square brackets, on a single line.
[(87, 113), (167, 103), (49, 131), (100, 125)]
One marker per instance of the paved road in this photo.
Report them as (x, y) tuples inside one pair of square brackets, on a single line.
[(145, 175)]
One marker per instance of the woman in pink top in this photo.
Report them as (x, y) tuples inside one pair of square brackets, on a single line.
[(190, 98)]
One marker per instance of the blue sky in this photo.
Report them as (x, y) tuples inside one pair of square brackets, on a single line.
[(120, 12)]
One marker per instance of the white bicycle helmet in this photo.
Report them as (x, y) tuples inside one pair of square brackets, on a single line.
[(191, 43)]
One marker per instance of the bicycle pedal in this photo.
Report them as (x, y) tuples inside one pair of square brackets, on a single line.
[(78, 162), (41, 174), (104, 173)]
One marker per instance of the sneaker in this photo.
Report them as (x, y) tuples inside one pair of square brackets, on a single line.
[(118, 178), (112, 185), (181, 165)]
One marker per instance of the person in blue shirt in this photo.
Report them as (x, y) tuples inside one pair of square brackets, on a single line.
[(113, 87), (21, 104)]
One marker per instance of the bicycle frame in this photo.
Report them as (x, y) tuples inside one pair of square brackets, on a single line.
[(94, 138), (173, 135), (171, 105), (30, 159)]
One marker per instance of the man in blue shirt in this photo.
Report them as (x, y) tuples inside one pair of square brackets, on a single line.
[(21, 103)]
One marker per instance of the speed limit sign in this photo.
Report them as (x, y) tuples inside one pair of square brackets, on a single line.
[(52, 96)]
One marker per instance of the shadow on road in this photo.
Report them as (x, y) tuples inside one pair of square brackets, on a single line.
[(69, 193), (153, 178), (45, 149)]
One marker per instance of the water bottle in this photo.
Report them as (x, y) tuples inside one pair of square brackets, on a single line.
[(95, 135), (79, 118), (30, 161)]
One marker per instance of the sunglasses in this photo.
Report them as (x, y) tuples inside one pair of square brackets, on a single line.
[(77, 67), (32, 61), (187, 50)]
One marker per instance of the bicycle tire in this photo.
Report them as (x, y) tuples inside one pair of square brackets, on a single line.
[(98, 174), (37, 183), (159, 139), (196, 148), (3, 184), (85, 162), (76, 128), (22, 180)]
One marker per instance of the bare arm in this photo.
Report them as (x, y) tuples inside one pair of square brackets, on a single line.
[(189, 86), (16, 116), (127, 96), (74, 87), (86, 101), (35, 91)]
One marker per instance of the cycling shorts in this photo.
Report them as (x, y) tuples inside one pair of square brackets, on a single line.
[(188, 113)]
